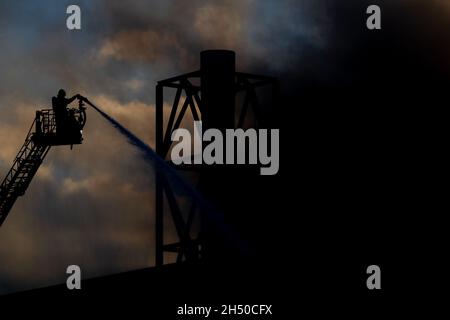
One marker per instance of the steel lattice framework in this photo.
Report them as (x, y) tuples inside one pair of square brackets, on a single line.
[(190, 88)]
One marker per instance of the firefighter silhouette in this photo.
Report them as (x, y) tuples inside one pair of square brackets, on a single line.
[(66, 124)]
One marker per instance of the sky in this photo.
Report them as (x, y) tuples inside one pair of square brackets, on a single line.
[(93, 205), (104, 187)]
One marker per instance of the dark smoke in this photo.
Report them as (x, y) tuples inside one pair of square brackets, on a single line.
[(365, 113)]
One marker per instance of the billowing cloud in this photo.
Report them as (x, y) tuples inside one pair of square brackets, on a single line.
[(219, 25), (148, 46)]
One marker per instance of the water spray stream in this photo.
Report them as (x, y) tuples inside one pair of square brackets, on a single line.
[(150, 156), (147, 151)]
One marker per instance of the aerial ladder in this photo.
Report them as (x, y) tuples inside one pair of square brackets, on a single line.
[(42, 135)]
